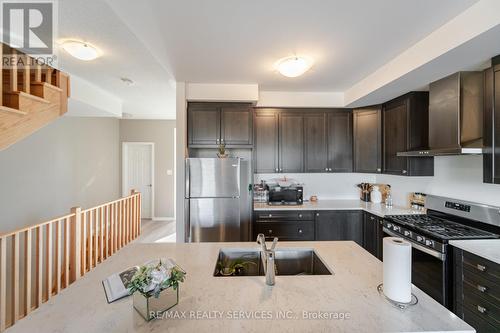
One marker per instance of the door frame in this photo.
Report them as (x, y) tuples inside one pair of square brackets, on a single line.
[(125, 146)]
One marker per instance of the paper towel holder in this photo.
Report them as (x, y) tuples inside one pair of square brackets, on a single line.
[(400, 305)]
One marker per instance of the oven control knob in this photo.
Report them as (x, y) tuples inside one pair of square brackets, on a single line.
[(407, 233), (396, 228), (429, 242), (420, 239), (389, 225)]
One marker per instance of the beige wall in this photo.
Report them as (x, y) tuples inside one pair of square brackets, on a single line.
[(161, 132), (70, 162)]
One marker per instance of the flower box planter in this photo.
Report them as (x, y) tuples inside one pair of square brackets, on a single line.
[(151, 307)]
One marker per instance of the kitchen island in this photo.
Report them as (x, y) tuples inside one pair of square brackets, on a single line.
[(347, 301)]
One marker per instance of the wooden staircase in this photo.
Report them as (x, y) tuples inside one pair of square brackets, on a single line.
[(31, 96)]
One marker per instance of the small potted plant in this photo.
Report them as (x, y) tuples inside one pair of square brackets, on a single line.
[(155, 288)]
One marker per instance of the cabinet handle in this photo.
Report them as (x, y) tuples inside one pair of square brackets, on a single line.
[(217, 140), (281, 170), (317, 214), (379, 170), (405, 172), (270, 215), (480, 267), (300, 216), (276, 169), (270, 231), (326, 169), (481, 309), (372, 218), (300, 231), (330, 169), (481, 288)]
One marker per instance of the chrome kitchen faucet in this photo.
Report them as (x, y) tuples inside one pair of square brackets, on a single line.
[(267, 256)]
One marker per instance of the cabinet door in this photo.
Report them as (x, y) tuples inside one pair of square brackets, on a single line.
[(395, 137), (496, 134), (291, 142), (203, 125), (371, 234), (329, 226), (266, 142), (340, 141), (236, 126), (339, 225), (367, 135), (315, 147)]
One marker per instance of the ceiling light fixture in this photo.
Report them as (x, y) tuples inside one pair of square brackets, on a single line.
[(80, 50), (294, 66)]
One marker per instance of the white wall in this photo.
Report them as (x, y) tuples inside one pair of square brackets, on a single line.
[(459, 177), (161, 133), (325, 185), (180, 152), (70, 162)]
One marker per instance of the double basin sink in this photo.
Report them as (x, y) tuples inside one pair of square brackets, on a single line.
[(248, 262)]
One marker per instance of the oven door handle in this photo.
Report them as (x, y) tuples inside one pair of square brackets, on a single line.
[(434, 253)]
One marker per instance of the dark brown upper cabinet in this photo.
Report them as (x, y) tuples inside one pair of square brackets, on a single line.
[(367, 138), (210, 124), (406, 127), (315, 142), (340, 141), (291, 142), (491, 127), (266, 141)]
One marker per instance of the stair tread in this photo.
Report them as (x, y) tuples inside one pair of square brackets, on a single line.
[(46, 84), (22, 93), (7, 109)]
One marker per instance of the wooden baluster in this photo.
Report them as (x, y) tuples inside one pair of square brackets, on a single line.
[(58, 257), (120, 224), (75, 245), (15, 278), (96, 238), (91, 239), (48, 75), (106, 231), (66, 251), (3, 283), (13, 72), (27, 272), (84, 244), (101, 234), (111, 232), (1, 103), (39, 266), (26, 75), (48, 250), (140, 212), (38, 72)]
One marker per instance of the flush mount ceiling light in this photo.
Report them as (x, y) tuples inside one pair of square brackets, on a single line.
[(293, 66), (80, 50)]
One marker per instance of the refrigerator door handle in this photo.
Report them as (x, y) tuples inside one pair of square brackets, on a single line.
[(187, 230), (188, 176)]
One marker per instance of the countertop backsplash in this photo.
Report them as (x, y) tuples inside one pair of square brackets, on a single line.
[(324, 185)]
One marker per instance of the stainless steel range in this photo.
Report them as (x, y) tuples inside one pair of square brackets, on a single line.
[(446, 219)]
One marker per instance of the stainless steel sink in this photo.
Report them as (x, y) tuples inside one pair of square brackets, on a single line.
[(291, 261)]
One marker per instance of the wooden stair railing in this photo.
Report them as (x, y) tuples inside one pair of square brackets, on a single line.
[(37, 262), (31, 96)]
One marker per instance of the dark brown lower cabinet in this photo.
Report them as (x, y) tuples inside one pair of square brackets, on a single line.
[(373, 234), (477, 291), (339, 225)]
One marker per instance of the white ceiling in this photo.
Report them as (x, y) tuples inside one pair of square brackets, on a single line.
[(123, 55), (230, 41), (156, 43)]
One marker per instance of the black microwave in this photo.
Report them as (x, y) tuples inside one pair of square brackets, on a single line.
[(292, 195)]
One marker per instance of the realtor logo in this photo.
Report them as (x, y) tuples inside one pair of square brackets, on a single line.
[(28, 26)]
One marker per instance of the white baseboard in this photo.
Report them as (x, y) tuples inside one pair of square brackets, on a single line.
[(159, 218)]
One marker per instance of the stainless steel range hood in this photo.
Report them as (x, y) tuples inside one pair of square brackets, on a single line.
[(455, 116)]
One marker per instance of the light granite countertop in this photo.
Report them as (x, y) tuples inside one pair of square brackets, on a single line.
[(351, 292), (486, 248), (376, 209)]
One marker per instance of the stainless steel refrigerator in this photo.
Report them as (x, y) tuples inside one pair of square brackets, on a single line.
[(217, 199)]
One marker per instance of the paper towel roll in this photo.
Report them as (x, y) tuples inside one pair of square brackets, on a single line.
[(397, 269)]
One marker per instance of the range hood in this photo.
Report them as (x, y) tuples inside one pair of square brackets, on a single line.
[(455, 116)]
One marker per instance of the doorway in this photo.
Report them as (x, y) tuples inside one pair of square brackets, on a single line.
[(138, 173)]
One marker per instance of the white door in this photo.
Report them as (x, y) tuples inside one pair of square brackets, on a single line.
[(138, 163)]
